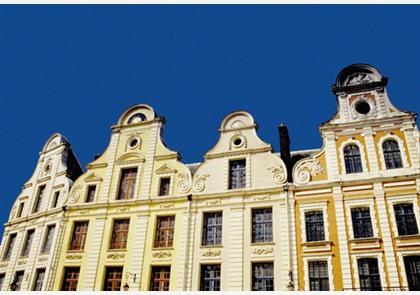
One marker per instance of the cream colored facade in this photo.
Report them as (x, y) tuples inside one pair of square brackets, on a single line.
[(319, 182)]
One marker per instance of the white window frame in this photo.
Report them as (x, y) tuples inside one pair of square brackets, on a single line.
[(85, 195), (363, 157), (171, 177), (307, 259), (247, 159), (44, 238), (379, 257), (394, 200), (120, 168), (401, 264), (401, 146), (303, 208), (368, 202)]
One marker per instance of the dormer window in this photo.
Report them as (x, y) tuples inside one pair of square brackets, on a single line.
[(39, 198), (392, 154), (237, 174), (165, 183), (352, 159), (127, 184)]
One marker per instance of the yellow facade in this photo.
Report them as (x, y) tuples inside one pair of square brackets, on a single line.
[(245, 218)]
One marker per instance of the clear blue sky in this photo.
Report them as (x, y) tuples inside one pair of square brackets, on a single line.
[(75, 69)]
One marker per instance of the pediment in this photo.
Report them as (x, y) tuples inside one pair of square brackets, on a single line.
[(93, 178), (130, 158), (165, 169)]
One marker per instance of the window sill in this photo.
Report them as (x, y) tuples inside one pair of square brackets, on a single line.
[(117, 250), (365, 243), (408, 241), (75, 251), (162, 248), (262, 243), (210, 246), (316, 246)]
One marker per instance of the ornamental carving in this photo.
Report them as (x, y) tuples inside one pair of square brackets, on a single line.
[(123, 209), (307, 169), (162, 254), (166, 205), (261, 198), (359, 79), (4, 264), (22, 262), (184, 183), (211, 253), (263, 251), (83, 212), (42, 259), (213, 202), (116, 256), (73, 256), (75, 194), (199, 184), (279, 174)]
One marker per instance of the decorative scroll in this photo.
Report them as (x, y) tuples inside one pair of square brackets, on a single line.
[(211, 253), (307, 169), (184, 183), (199, 184), (279, 175), (162, 254), (263, 251)]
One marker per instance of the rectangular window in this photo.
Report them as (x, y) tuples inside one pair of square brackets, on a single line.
[(79, 235), (113, 277), (314, 222), (406, 219), (39, 279), (127, 184), (28, 242), (2, 276), (237, 174), (263, 276), (120, 234), (318, 276), (48, 239), (9, 248), (70, 279), (362, 224), (164, 185), (17, 281), (55, 199), (165, 231), (20, 209), (160, 278), (91, 191), (210, 277), (412, 269), (39, 198), (369, 274), (262, 225), (212, 228)]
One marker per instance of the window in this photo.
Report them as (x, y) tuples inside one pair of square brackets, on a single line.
[(369, 274), (262, 225), (79, 235), (160, 278), (91, 191), (20, 209), (262, 276), (71, 276), (165, 183), (17, 281), (9, 247), (39, 198), (212, 228), (406, 219), (28, 242), (55, 199), (2, 275), (318, 276), (48, 239), (127, 184), (113, 277), (392, 154), (39, 279), (210, 277), (237, 174), (120, 234), (362, 224), (412, 269), (352, 159), (165, 231), (314, 222)]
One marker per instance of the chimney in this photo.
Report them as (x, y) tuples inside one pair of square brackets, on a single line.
[(285, 149)]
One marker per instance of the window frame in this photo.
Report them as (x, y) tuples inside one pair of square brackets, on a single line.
[(55, 198), (393, 200), (363, 158), (25, 243), (265, 278), (265, 234), (120, 245), (403, 152), (135, 184), (353, 157), (369, 276), (230, 172), (168, 243), (213, 279), (8, 250), (160, 193), (152, 272), (88, 191), (82, 247), (39, 198), (361, 231), (63, 281), (108, 268), (328, 259), (19, 210), (36, 276), (204, 227), (45, 238), (15, 275), (321, 206), (381, 267), (367, 202)]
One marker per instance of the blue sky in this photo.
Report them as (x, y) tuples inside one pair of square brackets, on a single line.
[(75, 69)]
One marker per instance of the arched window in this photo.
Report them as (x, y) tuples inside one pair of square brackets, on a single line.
[(392, 154), (352, 159)]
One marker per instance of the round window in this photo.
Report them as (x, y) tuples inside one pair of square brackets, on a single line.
[(237, 141), (362, 107), (133, 143)]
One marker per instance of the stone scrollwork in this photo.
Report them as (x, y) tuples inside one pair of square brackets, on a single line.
[(74, 256), (75, 194), (279, 175), (307, 169), (211, 253), (184, 183), (116, 256), (162, 254), (199, 184), (263, 251)]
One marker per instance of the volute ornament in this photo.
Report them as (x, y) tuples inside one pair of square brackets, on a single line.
[(199, 184), (75, 195), (307, 169), (184, 183), (279, 175)]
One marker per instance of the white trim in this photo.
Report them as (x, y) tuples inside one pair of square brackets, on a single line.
[(95, 197), (307, 259), (367, 202), (400, 262), (303, 208), (401, 147), (411, 199), (169, 175), (120, 167), (362, 156), (379, 257)]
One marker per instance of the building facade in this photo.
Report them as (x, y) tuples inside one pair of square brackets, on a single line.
[(342, 217)]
